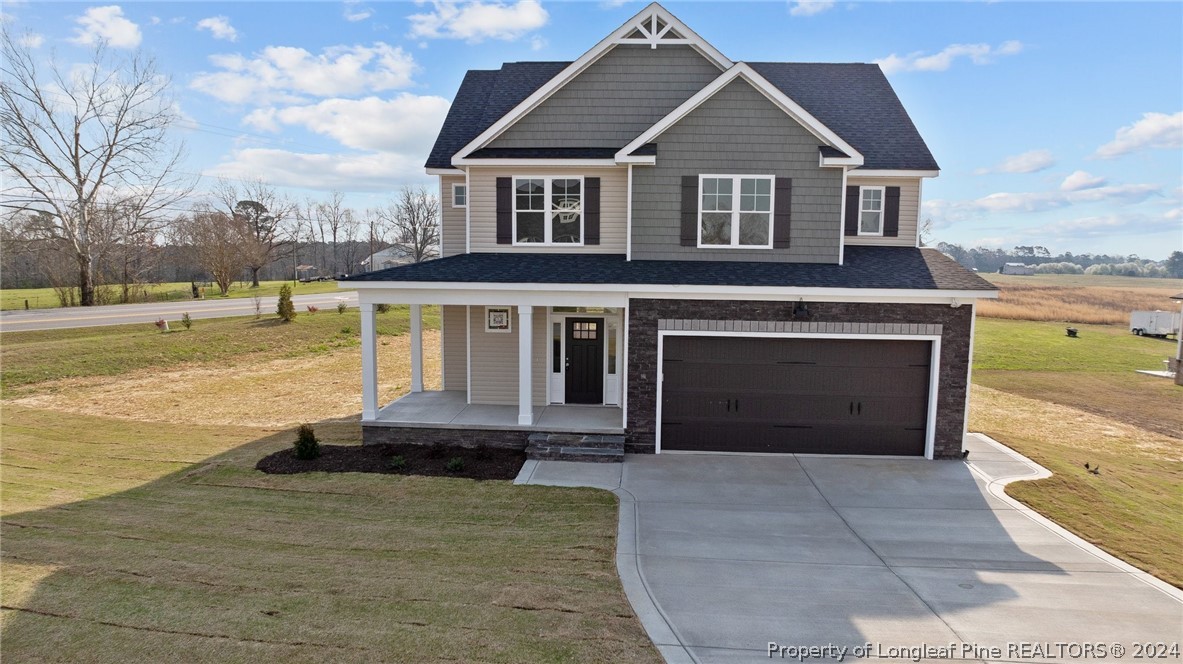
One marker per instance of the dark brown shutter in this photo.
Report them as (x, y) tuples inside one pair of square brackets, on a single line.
[(782, 213), (891, 213), (689, 210), (504, 210), (591, 211), (852, 204)]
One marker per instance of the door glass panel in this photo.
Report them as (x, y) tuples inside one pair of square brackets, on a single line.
[(611, 349), (556, 342)]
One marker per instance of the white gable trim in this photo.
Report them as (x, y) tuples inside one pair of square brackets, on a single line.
[(861, 173), (792, 108), (646, 15)]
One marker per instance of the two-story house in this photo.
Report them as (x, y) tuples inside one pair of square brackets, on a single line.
[(696, 253)]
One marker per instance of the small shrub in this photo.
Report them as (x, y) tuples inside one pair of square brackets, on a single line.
[(347, 330), (307, 446), (436, 451), (455, 465), (186, 320), (341, 307), (482, 452), (312, 308), (397, 463), (286, 310), (382, 308)]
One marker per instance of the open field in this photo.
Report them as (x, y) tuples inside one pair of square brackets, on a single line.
[(1078, 298), (125, 542), (1065, 402), (46, 298)]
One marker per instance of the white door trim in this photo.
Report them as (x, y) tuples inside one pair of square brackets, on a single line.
[(553, 317), (933, 380)]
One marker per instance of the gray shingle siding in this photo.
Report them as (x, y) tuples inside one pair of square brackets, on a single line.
[(613, 100), (737, 131)]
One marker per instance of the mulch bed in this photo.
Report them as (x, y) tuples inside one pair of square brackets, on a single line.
[(478, 463)]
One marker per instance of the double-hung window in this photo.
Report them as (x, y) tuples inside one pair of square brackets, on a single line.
[(459, 195), (735, 211), (870, 216), (548, 210)]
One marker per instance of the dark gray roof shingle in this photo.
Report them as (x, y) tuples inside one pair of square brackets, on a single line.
[(854, 100), (865, 267)]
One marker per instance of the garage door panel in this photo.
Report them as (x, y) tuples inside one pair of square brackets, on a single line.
[(795, 395)]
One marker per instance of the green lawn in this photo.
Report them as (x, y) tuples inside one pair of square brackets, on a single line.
[(45, 298), (131, 542), (28, 358), (1040, 381)]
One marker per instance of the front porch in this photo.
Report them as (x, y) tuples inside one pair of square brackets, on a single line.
[(449, 409)]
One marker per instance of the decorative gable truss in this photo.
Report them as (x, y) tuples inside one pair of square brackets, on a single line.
[(654, 25)]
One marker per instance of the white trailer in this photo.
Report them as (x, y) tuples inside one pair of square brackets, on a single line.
[(1155, 323)]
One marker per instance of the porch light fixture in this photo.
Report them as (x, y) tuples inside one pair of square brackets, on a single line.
[(800, 310)]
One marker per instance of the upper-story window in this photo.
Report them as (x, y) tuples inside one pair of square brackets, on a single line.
[(459, 195), (548, 210), (735, 211), (870, 218)]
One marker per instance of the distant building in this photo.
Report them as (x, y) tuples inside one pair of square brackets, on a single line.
[(389, 257), (1017, 268)]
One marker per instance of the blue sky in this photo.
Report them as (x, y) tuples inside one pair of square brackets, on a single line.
[(1058, 124)]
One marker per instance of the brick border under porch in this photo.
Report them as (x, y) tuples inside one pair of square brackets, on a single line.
[(646, 317)]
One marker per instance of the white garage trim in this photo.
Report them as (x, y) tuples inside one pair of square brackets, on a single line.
[(933, 378)]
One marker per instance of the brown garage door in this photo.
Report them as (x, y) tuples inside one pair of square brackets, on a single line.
[(822, 396)]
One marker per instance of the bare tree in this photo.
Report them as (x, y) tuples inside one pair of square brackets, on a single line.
[(265, 213), (414, 220), (217, 240), (77, 138), (925, 232), (333, 220)]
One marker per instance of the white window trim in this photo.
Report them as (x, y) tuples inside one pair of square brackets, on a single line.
[(547, 228), (882, 209), (459, 185), (735, 211)]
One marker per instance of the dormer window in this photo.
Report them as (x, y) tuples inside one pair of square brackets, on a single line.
[(459, 195), (548, 210), (870, 219)]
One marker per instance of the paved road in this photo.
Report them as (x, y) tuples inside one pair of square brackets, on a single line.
[(121, 314), (723, 555)]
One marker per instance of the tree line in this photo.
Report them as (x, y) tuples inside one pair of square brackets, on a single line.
[(984, 259), (95, 203)]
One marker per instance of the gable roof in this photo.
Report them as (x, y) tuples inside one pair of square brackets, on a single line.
[(852, 103)]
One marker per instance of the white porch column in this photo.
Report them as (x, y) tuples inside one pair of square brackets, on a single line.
[(525, 372), (416, 348), (369, 362)]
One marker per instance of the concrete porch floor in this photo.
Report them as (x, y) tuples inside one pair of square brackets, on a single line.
[(450, 410)]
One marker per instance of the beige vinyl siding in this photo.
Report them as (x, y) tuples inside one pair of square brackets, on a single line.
[(909, 210), (495, 360), (454, 344), (613, 203), (452, 221)]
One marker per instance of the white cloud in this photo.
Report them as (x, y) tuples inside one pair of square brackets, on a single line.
[(1082, 180), (289, 74), (1120, 223), (31, 40), (810, 7), (1041, 201), (219, 27), (979, 54), (106, 24), (613, 4), (155, 20), (406, 123), (537, 43), (1028, 162), (1154, 130), (378, 172), (353, 13), (475, 21)]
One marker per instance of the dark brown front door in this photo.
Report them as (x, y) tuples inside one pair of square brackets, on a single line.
[(824, 396), (585, 360)]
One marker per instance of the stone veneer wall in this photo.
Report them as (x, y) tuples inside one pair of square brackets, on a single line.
[(647, 316), (514, 439)]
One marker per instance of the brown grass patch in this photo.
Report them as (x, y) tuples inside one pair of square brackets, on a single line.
[(1010, 415), (269, 393), (1075, 304)]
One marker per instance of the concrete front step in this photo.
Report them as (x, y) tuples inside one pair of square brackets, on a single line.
[(575, 447)]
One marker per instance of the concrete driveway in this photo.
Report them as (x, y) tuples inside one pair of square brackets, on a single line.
[(722, 555)]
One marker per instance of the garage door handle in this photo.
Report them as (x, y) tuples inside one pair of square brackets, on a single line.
[(737, 405), (852, 408), (860, 408), (729, 405)]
